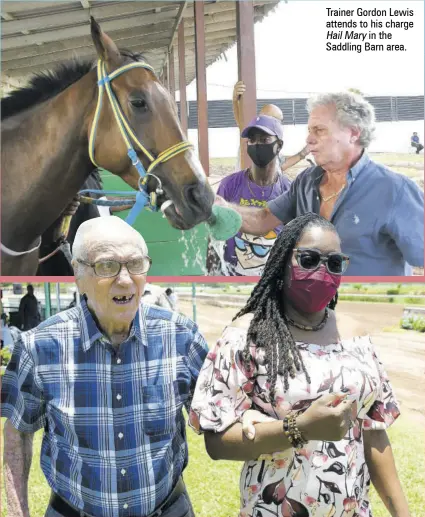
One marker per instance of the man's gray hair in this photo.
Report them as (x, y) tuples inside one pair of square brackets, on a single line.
[(98, 232), (352, 111)]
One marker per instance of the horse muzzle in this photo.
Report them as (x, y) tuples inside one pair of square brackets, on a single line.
[(193, 208)]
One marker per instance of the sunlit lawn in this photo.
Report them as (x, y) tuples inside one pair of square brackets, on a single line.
[(213, 485)]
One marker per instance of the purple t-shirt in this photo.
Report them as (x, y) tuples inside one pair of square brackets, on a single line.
[(246, 254)]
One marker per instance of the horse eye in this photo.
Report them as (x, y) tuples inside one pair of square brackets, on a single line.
[(139, 104)]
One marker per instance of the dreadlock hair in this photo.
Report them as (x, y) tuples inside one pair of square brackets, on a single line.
[(268, 328)]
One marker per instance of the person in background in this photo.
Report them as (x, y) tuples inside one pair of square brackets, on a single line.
[(29, 311), (156, 295), (270, 110), (246, 254), (172, 297), (379, 214), (285, 358), (415, 142), (74, 300)]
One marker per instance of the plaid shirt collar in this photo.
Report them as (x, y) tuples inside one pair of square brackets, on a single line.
[(90, 332)]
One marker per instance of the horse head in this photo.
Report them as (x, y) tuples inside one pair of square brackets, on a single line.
[(150, 116)]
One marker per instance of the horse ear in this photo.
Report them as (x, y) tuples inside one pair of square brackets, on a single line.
[(106, 49)]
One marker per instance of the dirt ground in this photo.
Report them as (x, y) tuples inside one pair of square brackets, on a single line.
[(403, 353)]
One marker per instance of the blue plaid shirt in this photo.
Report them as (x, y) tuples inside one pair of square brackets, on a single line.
[(115, 441)]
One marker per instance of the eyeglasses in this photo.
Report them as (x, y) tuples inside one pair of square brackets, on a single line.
[(111, 268), (311, 259)]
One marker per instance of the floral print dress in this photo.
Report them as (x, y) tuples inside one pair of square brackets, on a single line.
[(323, 479)]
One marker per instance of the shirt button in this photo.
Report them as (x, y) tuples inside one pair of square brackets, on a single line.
[(119, 397), (118, 361), (120, 436), (123, 471), (125, 506)]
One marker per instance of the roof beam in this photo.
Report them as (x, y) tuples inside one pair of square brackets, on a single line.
[(6, 16), (122, 38), (15, 7), (176, 24), (122, 9), (28, 66), (82, 30), (48, 60), (55, 21)]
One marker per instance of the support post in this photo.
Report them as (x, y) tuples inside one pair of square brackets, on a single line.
[(172, 75), (246, 66), (182, 79), (201, 86)]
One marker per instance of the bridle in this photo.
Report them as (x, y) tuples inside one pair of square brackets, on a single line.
[(143, 197)]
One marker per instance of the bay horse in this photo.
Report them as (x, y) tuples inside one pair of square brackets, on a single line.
[(57, 264), (46, 156)]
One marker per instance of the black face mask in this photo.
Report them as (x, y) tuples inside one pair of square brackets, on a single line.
[(262, 154)]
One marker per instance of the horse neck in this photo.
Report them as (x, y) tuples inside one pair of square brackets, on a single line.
[(45, 161)]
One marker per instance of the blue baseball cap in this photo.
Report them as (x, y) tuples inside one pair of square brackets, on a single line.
[(269, 125)]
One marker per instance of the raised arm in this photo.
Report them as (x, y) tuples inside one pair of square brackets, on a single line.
[(17, 457), (238, 90), (293, 160)]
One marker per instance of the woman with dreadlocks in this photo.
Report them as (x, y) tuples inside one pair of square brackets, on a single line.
[(321, 402)]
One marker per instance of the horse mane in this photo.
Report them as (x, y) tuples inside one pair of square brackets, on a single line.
[(48, 84)]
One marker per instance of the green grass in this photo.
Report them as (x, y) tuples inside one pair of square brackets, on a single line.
[(214, 485)]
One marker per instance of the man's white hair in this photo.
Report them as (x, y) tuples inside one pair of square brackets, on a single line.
[(352, 110), (98, 230)]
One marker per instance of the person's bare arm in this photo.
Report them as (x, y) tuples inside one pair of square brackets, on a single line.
[(321, 421), (233, 445), (238, 90), (17, 457), (380, 463), (293, 160), (257, 221)]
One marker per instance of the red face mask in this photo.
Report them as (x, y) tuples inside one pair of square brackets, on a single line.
[(311, 291)]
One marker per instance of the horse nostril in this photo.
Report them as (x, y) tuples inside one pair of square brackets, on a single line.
[(195, 194)]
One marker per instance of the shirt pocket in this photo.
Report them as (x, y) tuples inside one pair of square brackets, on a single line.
[(162, 406)]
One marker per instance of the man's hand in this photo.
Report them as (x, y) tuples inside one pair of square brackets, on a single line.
[(238, 90), (252, 417), (328, 418)]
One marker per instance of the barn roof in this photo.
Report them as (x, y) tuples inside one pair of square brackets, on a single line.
[(37, 35)]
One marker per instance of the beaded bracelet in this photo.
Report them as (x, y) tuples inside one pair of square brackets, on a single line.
[(292, 432)]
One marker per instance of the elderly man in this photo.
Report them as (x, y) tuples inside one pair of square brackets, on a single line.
[(379, 214), (107, 381)]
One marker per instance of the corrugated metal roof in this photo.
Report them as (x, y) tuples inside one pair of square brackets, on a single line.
[(37, 35)]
